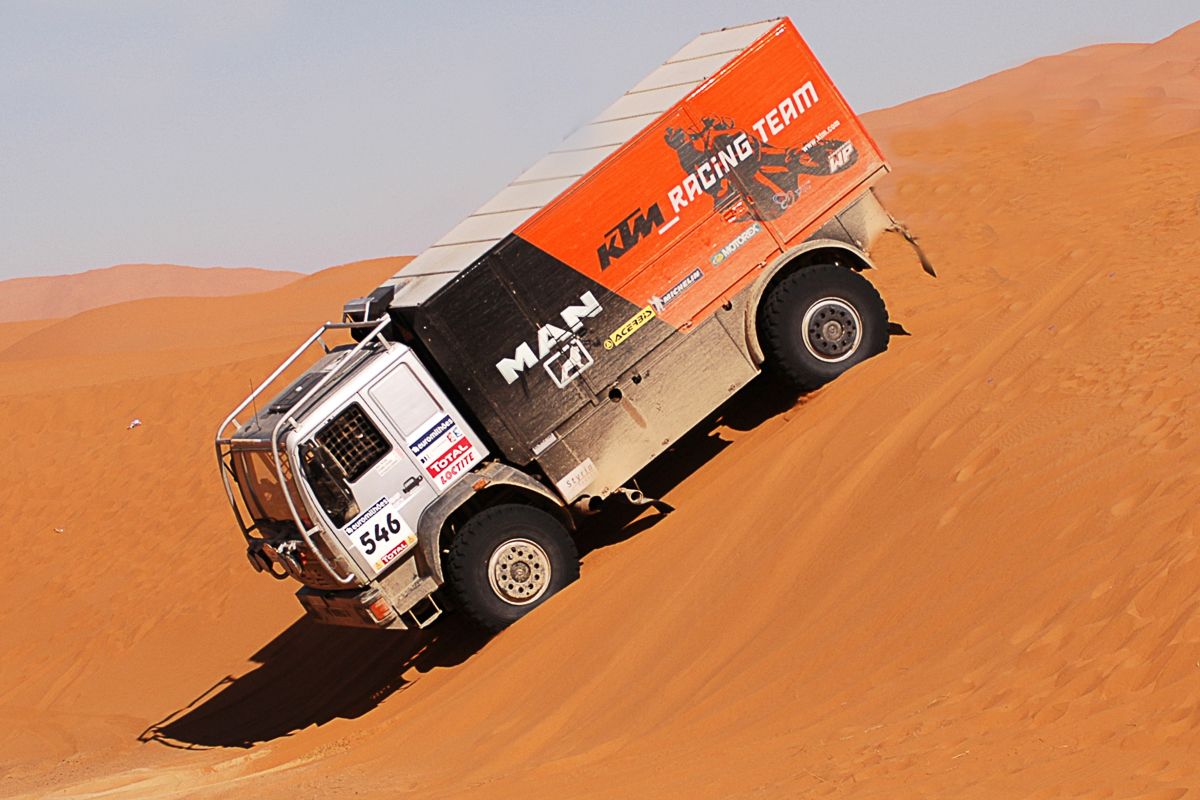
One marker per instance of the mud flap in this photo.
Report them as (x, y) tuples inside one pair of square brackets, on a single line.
[(902, 229)]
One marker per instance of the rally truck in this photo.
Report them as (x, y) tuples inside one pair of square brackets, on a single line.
[(714, 222)]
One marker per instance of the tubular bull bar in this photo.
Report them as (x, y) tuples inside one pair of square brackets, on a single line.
[(227, 439)]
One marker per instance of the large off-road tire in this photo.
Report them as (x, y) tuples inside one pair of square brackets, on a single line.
[(818, 322), (506, 561)]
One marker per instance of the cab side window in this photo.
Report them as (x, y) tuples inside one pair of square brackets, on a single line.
[(404, 399), (353, 442)]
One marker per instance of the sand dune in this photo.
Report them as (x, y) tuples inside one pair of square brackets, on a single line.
[(59, 296), (968, 568)]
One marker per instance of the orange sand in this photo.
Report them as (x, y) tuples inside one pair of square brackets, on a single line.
[(64, 295), (966, 569)]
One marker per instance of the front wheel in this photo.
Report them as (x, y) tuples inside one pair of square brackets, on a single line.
[(818, 322), (506, 561)]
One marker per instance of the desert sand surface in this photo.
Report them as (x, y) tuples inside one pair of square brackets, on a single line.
[(59, 296), (967, 568)]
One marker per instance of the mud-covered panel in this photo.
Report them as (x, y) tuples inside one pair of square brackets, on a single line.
[(702, 267), (677, 387), (528, 341), (603, 333)]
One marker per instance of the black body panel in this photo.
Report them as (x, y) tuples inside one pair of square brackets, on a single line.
[(546, 324)]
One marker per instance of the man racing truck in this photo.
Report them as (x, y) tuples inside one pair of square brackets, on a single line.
[(712, 223)]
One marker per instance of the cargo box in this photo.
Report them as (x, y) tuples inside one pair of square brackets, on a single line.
[(587, 315)]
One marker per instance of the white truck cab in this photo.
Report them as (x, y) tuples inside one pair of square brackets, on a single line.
[(332, 479)]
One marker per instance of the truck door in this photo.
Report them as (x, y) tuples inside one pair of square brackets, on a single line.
[(435, 438), (384, 457), (371, 492)]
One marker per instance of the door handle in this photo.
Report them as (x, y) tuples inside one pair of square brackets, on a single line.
[(411, 483)]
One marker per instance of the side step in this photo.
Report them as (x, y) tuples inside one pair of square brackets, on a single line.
[(424, 612)]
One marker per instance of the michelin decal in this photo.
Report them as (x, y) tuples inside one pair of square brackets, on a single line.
[(659, 303)]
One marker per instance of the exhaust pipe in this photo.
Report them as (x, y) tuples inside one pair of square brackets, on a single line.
[(635, 496), (588, 504)]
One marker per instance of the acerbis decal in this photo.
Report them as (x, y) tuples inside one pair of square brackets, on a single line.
[(660, 303), (629, 327)]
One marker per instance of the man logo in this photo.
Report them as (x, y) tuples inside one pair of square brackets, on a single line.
[(559, 341), (568, 363)]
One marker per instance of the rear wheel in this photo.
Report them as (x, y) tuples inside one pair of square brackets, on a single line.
[(506, 561), (818, 322)]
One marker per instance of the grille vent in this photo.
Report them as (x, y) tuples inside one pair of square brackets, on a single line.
[(354, 442)]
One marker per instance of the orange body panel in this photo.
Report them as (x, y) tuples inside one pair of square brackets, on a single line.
[(750, 162)]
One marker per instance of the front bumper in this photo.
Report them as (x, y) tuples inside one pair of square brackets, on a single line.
[(363, 608), (373, 608)]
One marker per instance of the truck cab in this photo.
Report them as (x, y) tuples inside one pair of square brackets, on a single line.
[(332, 478)]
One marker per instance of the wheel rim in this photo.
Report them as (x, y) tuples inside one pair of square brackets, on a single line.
[(832, 330), (519, 572)]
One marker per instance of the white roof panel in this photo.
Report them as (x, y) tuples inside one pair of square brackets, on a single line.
[(728, 40), (652, 101), (524, 196), (570, 164), (606, 134), (688, 72), (444, 258), (579, 153), (482, 227)]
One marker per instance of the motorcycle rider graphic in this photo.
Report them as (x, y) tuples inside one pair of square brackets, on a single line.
[(769, 175)]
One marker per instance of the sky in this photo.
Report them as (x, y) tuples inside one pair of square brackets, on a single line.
[(299, 135)]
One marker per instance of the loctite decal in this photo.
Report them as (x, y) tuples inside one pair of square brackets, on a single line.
[(629, 327), (464, 460), (443, 451)]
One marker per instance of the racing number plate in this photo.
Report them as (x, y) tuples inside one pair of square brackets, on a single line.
[(380, 534)]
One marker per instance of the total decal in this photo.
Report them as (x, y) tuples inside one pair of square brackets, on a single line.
[(558, 349), (380, 533), (716, 152), (442, 450)]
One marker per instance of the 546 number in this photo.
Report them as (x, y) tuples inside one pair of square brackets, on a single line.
[(382, 533)]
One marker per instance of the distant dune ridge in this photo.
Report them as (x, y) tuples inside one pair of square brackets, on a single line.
[(966, 569), (59, 296)]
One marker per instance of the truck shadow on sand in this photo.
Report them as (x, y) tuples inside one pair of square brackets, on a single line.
[(313, 673), (310, 674)]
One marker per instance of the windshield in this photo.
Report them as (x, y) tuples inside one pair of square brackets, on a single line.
[(259, 483)]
